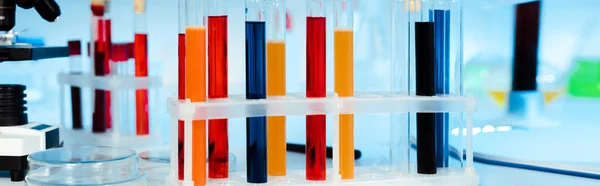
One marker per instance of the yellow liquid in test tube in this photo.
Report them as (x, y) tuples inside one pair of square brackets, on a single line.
[(276, 144), (344, 87), (195, 90)]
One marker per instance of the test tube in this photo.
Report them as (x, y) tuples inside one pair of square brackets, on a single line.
[(400, 85), (276, 143), (315, 88), (343, 39), (106, 21), (181, 87), (438, 67), (99, 49), (440, 15), (424, 49), (218, 151), (140, 54), (256, 127), (119, 66), (447, 20), (75, 69), (195, 89)]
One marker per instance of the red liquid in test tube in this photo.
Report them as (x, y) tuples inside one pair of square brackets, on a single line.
[(141, 96), (181, 96), (218, 159), (107, 59), (99, 50), (315, 88)]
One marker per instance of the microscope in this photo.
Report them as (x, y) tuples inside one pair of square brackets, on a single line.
[(12, 48), (18, 136)]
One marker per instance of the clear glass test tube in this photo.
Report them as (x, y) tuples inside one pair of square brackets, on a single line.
[(140, 55), (195, 89), (400, 85), (315, 88), (181, 86), (256, 127), (276, 141), (343, 39), (75, 68), (218, 155)]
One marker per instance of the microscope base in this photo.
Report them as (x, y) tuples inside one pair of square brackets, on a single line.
[(20, 141)]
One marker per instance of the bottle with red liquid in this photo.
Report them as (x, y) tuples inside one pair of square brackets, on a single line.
[(218, 149), (140, 54), (315, 88)]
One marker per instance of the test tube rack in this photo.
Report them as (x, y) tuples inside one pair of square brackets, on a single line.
[(120, 135), (297, 104)]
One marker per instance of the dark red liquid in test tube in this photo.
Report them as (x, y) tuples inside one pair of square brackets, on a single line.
[(99, 54), (140, 54), (218, 149), (315, 88), (74, 52), (181, 96)]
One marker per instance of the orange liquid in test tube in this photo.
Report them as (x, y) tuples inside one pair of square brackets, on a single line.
[(195, 77), (276, 143), (344, 87)]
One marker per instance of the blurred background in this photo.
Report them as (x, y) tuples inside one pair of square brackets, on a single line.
[(570, 52), (567, 33)]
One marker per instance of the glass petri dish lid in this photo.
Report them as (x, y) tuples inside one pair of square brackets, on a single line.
[(85, 165)]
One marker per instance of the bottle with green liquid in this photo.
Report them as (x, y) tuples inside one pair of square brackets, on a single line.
[(585, 80), (585, 76)]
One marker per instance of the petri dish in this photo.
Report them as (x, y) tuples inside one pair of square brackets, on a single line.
[(85, 165)]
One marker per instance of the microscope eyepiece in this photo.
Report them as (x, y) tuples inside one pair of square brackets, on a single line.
[(7, 14), (48, 10)]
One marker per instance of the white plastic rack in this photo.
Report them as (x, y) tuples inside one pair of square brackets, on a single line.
[(298, 104), (119, 135)]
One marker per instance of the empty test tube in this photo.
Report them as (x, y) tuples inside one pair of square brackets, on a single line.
[(400, 84)]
